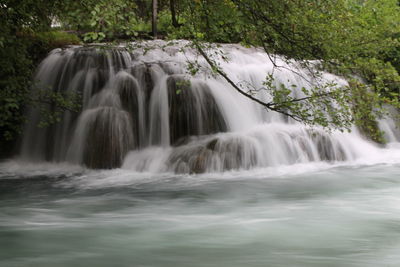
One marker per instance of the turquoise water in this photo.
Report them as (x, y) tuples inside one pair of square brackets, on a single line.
[(303, 215)]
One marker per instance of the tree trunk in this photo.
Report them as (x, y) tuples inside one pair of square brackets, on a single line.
[(154, 19), (142, 9), (173, 13)]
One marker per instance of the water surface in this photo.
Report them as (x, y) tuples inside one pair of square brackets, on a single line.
[(316, 214)]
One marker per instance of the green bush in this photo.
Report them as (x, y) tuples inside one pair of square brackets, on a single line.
[(41, 43), (19, 56), (55, 39)]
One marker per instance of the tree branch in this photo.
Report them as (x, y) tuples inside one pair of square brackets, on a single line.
[(270, 106)]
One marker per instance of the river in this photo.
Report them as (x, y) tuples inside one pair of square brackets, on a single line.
[(314, 214)]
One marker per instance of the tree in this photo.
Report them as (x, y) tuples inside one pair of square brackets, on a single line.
[(172, 7), (154, 18), (347, 37), (23, 43)]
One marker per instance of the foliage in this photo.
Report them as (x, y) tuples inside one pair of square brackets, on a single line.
[(213, 21), (60, 101), (24, 40), (40, 43), (350, 38), (366, 109), (56, 39), (15, 72), (15, 76), (102, 19)]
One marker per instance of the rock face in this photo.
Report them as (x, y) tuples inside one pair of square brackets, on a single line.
[(132, 101), (108, 138), (192, 109), (327, 149), (216, 154)]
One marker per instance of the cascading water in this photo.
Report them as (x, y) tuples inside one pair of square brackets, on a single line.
[(142, 111)]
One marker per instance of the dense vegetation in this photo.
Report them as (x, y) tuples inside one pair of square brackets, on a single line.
[(353, 38)]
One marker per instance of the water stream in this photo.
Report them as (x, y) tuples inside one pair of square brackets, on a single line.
[(302, 215)]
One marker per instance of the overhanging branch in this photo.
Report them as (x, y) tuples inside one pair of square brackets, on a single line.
[(271, 106)]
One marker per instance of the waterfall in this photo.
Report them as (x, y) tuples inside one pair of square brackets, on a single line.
[(141, 110)]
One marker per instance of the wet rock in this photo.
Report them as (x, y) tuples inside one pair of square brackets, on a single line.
[(108, 139), (142, 73), (211, 144), (327, 149), (192, 110), (213, 155), (131, 100)]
